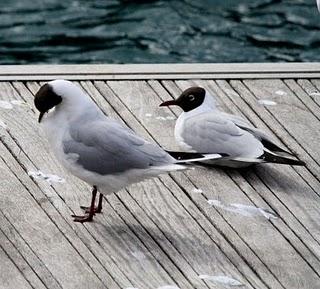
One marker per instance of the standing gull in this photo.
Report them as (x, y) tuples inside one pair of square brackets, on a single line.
[(96, 148), (203, 128)]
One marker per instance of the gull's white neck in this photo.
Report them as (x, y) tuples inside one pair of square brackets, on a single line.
[(208, 104)]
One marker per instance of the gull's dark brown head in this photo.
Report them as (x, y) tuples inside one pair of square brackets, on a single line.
[(45, 99), (189, 99)]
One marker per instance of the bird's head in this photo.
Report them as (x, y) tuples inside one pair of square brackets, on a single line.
[(54, 93), (189, 99)]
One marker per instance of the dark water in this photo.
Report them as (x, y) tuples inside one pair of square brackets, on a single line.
[(115, 31)]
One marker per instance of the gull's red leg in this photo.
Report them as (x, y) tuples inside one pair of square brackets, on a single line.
[(97, 209), (88, 217)]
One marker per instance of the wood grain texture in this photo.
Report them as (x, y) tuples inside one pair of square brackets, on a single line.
[(155, 111), (10, 275), (160, 71), (243, 185), (108, 238), (258, 180), (315, 88), (163, 231), (134, 89), (41, 234), (125, 115)]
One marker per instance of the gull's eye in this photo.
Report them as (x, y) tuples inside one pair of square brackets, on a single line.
[(191, 97)]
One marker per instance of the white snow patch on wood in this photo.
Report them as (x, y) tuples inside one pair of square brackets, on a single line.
[(280, 92), (5, 104), (314, 94), (169, 117), (47, 177), (222, 279), (3, 125), (244, 210), (9, 104), (267, 102)]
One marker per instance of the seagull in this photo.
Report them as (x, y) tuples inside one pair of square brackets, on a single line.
[(318, 5), (201, 127), (97, 149)]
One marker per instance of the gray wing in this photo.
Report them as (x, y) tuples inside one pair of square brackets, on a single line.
[(236, 119), (266, 140), (107, 147), (242, 123), (215, 133)]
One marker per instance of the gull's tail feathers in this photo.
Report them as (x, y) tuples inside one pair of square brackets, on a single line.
[(270, 157), (224, 160), (189, 157)]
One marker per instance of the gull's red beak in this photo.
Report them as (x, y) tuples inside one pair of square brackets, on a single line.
[(168, 103)]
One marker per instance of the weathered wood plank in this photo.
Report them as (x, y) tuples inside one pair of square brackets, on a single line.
[(41, 234), (315, 92), (290, 112), (28, 263), (184, 85), (300, 221), (140, 89), (158, 236), (10, 275), (163, 232), (304, 97), (146, 279), (53, 199), (261, 117), (232, 105), (148, 232), (159, 68), (161, 71), (91, 241), (107, 92), (85, 77)]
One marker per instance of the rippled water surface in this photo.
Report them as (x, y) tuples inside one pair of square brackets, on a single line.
[(115, 31)]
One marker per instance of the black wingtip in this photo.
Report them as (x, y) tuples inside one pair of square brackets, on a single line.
[(273, 158), (300, 163), (181, 156), (275, 148)]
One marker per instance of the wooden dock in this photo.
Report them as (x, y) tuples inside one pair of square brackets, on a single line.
[(195, 229)]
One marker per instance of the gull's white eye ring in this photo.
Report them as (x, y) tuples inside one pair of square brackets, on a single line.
[(191, 97)]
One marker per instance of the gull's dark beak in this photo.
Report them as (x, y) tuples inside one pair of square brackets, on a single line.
[(168, 103), (40, 116)]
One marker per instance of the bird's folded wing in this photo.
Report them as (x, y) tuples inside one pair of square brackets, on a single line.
[(212, 133), (266, 139), (109, 148), (236, 119)]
